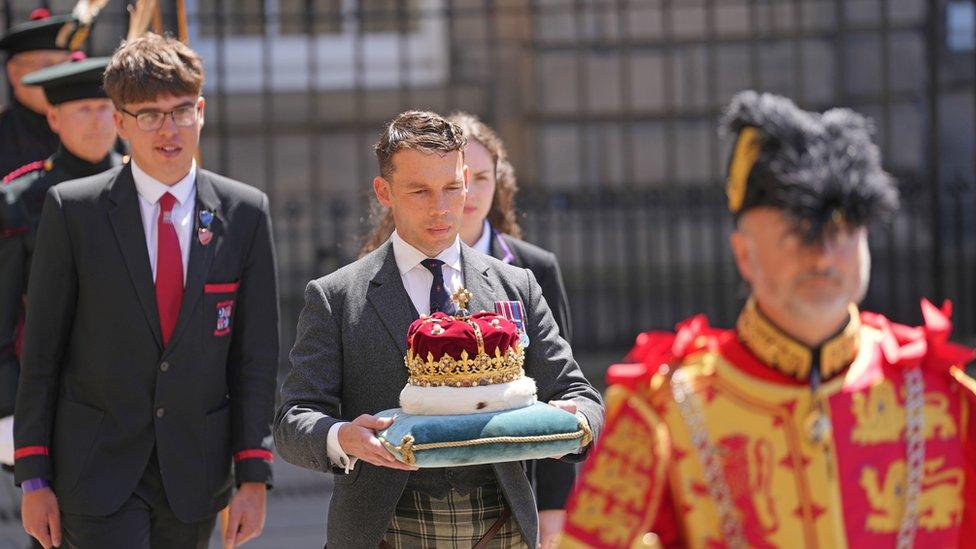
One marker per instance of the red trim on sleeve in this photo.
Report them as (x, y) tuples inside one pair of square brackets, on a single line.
[(257, 454), (23, 170), (30, 451), (221, 288), (7, 233)]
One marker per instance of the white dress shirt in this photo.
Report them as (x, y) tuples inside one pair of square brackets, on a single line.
[(483, 244), (417, 280), (150, 191)]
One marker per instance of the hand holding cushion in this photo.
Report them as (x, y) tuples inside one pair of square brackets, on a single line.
[(358, 439)]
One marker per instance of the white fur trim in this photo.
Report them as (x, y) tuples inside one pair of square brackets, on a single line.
[(453, 401)]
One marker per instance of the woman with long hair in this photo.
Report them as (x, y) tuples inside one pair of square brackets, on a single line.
[(490, 225)]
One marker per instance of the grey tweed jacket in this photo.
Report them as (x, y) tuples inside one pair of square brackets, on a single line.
[(348, 361)]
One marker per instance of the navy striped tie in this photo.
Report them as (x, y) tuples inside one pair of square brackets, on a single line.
[(439, 301)]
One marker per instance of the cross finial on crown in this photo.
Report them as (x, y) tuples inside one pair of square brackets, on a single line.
[(462, 296)]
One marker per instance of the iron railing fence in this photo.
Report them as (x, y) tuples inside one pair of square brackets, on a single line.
[(609, 109), (635, 260)]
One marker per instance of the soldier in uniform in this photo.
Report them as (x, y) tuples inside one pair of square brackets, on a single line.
[(29, 47), (81, 115), (811, 423)]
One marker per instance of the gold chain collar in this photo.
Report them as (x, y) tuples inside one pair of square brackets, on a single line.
[(789, 356)]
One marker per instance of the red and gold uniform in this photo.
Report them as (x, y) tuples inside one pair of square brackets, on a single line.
[(747, 438)]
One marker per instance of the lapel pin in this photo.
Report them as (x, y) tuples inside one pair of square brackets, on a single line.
[(206, 218), (204, 235)]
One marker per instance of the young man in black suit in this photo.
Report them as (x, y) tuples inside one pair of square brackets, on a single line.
[(151, 345)]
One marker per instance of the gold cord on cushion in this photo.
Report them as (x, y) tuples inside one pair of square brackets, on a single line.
[(408, 447), (584, 426)]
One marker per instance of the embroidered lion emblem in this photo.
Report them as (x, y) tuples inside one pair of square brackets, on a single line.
[(939, 504), (880, 415)]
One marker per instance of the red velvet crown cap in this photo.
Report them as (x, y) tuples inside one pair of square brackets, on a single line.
[(441, 334)]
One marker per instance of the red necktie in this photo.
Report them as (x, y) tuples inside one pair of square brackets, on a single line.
[(169, 268)]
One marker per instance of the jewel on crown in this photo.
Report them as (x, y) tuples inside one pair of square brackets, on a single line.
[(463, 350)]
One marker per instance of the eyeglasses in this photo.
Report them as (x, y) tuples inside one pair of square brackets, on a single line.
[(150, 121)]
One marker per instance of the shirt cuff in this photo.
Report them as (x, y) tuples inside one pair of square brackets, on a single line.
[(336, 455), (33, 484)]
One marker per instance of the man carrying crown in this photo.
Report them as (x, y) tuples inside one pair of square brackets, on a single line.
[(347, 362), (811, 424)]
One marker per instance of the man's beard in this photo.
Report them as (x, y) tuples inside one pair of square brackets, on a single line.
[(830, 299)]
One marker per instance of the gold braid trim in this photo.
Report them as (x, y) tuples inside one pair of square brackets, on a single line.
[(781, 352)]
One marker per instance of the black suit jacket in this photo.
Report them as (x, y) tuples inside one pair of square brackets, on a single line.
[(553, 479), (98, 393), (21, 200)]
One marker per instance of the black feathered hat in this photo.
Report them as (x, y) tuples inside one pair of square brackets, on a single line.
[(818, 168)]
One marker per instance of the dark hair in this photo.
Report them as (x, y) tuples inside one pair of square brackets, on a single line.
[(419, 130), (502, 214), (147, 67)]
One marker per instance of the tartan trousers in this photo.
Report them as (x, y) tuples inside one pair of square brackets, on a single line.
[(454, 522)]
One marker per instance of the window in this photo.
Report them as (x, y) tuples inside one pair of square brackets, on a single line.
[(342, 44), (959, 26)]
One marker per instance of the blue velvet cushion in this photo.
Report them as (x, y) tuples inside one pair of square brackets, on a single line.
[(534, 432)]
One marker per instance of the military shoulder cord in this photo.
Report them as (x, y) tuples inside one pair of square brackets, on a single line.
[(718, 489)]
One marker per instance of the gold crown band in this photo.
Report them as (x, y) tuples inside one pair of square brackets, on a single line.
[(465, 372)]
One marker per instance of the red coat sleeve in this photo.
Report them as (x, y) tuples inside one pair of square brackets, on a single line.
[(621, 491), (967, 535)]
